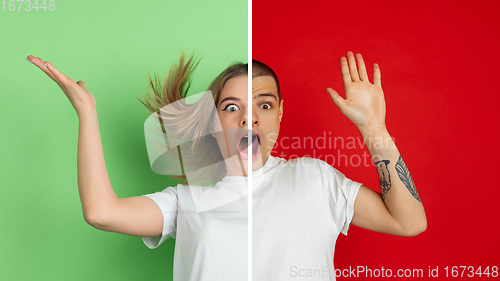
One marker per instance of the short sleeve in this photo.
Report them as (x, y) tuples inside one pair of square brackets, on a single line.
[(350, 195), (168, 204), (342, 192)]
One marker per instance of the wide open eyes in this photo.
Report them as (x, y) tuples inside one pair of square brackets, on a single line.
[(266, 106), (231, 107)]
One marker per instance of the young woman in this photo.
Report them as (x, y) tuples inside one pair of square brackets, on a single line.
[(210, 224)]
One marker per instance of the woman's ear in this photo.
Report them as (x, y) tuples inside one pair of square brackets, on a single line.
[(211, 126), (214, 125)]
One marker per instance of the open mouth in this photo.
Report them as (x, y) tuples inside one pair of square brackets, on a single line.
[(244, 144)]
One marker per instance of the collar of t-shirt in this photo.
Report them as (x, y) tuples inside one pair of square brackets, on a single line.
[(229, 189)]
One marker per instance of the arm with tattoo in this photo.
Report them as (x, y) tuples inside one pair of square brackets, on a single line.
[(364, 105)]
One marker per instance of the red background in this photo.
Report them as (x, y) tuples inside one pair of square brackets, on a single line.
[(439, 63)]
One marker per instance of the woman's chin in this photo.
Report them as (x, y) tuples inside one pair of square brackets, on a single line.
[(238, 164)]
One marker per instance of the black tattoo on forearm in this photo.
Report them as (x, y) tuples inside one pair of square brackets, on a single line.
[(405, 177), (384, 175)]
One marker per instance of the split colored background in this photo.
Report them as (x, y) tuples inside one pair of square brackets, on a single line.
[(439, 62)]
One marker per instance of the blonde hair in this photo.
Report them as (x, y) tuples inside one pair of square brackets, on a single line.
[(187, 121)]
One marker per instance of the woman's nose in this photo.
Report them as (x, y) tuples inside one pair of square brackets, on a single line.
[(255, 119), (244, 119)]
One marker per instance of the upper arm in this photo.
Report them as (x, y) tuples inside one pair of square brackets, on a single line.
[(137, 216), (370, 212)]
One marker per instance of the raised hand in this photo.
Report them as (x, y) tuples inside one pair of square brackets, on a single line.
[(77, 93), (364, 102)]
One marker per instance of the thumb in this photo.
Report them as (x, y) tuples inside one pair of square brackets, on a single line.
[(82, 84), (84, 87), (336, 98)]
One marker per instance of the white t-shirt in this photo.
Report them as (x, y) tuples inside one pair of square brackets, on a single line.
[(298, 212), (211, 229), (299, 209)]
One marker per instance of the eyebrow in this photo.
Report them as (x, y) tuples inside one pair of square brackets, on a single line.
[(229, 98), (265, 95)]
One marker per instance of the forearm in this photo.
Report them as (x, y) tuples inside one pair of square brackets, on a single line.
[(96, 194), (398, 190)]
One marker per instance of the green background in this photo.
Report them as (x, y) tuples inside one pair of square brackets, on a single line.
[(112, 46)]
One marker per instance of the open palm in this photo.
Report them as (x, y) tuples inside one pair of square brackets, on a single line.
[(76, 92), (364, 102)]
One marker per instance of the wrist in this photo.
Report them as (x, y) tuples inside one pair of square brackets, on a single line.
[(87, 114), (378, 141), (373, 130)]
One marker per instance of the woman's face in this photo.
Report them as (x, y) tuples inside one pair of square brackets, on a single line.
[(232, 134)]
